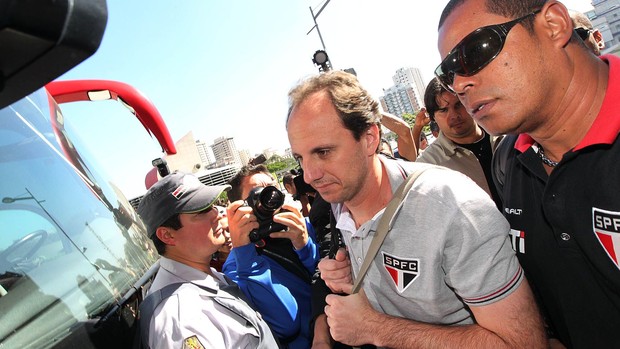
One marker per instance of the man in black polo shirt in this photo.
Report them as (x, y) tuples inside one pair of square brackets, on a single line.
[(559, 174)]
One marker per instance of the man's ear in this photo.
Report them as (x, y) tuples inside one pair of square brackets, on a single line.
[(372, 138), (556, 23), (166, 235), (598, 37)]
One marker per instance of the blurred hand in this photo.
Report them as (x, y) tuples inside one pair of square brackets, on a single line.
[(292, 218), (337, 272), (241, 221), (422, 119)]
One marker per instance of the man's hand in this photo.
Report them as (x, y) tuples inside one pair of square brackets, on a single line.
[(292, 218), (349, 318), (241, 221), (422, 119), (337, 272)]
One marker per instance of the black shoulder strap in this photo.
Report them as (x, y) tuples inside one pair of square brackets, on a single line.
[(282, 251)]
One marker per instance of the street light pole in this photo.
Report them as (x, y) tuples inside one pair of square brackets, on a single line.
[(316, 25)]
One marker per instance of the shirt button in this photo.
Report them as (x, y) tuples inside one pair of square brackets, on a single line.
[(359, 260), (565, 236)]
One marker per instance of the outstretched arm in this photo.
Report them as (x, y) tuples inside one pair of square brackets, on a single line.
[(421, 120), (406, 143)]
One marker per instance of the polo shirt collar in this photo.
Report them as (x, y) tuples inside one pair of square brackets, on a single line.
[(606, 126)]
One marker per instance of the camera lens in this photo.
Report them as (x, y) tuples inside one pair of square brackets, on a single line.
[(271, 198)]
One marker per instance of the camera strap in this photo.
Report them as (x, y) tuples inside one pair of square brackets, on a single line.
[(384, 225), (282, 252)]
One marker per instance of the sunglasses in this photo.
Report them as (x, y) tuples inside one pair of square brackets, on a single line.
[(475, 51), (583, 33)]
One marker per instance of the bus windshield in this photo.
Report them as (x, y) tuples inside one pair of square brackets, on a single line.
[(70, 243)]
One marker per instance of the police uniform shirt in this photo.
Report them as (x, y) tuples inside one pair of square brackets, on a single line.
[(193, 318), (565, 227)]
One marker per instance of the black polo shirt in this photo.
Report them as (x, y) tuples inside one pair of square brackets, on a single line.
[(565, 228)]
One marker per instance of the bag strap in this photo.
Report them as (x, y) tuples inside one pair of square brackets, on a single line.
[(384, 225)]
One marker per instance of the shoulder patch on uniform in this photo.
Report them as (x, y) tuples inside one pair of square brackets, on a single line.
[(192, 343)]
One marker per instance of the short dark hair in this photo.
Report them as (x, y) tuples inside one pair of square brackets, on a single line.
[(235, 182), (355, 107), (174, 222), (288, 179), (506, 8), (433, 90)]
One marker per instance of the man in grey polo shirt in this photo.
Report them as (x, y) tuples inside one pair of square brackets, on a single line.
[(446, 275)]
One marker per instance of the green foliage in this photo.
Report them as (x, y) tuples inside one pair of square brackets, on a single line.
[(281, 164), (409, 119)]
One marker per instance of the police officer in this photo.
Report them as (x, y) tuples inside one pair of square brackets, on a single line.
[(204, 308)]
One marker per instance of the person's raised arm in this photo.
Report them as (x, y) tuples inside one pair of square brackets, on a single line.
[(407, 148), (421, 120)]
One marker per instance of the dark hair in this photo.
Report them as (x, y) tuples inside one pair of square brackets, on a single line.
[(506, 8), (235, 182), (423, 137), (288, 179), (433, 90), (355, 107), (173, 222)]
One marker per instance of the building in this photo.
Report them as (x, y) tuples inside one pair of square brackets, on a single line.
[(413, 77), (218, 176), (400, 99), (205, 153), (187, 158), (245, 157), (225, 152), (606, 18)]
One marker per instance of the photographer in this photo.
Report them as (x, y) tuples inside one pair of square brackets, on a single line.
[(304, 193), (275, 270)]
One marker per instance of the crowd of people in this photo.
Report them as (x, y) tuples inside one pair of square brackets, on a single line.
[(505, 237)]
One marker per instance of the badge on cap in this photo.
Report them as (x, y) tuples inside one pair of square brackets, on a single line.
[(189, 183), (192, 343)]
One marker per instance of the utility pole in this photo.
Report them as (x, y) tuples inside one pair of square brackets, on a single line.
[(325, 65)]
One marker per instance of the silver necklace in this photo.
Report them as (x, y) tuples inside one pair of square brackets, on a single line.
[(545, 159)]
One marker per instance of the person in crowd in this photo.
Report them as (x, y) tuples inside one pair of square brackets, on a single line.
[(462, 145), (423, 142), (220, 256), (557, 171), (434, 129), (590, 36), (446, 279), (289, 184), (205, 310), (386, 148), (407, 148), (274, 274)]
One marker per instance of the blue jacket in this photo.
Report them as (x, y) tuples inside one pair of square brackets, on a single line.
[(282, 298)]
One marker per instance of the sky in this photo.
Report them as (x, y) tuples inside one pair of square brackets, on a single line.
[(224, 68)]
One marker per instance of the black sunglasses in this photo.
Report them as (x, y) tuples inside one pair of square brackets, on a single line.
[(475, 51), (583, 33)]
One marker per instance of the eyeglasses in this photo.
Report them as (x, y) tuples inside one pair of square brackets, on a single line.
[(584, 33), (475, 51)]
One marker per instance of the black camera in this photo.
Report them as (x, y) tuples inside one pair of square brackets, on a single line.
[(301, 186), (265, 202)]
